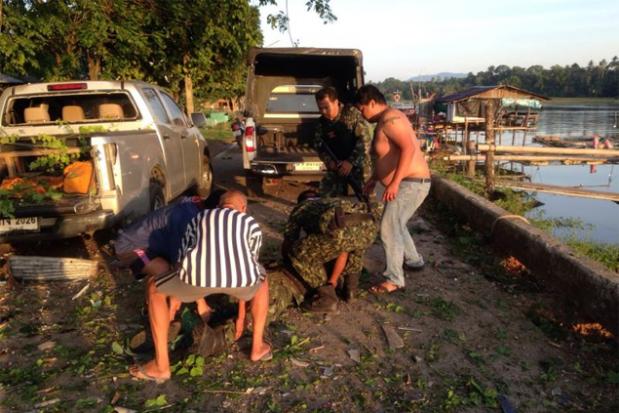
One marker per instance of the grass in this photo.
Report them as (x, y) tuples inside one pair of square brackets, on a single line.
[(444, 310), (520, 203), (605, 254), (221, 131)]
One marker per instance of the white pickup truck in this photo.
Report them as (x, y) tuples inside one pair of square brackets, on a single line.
[(79, 156)]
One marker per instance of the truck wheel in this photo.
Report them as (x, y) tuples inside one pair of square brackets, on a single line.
[(157, 199), (253, 184), (205, 186)]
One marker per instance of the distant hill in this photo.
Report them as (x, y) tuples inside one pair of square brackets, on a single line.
[(437, 76)]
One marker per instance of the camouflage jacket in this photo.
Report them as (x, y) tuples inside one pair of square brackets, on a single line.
[(349, 137), (315, 216)]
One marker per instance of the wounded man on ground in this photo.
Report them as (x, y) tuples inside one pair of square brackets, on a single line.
[(337, 232)]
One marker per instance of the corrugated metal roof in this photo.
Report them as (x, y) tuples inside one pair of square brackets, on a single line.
[(477, 90)]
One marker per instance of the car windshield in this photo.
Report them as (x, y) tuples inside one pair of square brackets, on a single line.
[(293, 99), (70, 108), (287, 103)]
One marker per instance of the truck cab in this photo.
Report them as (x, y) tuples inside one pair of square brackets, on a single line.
[(280, 92)]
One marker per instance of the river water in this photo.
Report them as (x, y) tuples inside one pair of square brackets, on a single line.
[(600, 218)]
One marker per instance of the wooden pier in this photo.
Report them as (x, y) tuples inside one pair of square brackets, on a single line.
[(559, 190), (528, 159), (603, 153), (539, 156)]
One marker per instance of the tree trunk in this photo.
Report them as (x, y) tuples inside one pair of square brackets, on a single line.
[(188, 85), (188, 95), (94, 67)]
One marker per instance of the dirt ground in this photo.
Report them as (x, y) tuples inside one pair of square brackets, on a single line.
[(479, 334)]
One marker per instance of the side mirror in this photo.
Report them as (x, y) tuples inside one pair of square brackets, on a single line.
[(198, 119), (261, 130)]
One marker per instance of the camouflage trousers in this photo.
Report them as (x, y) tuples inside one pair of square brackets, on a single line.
[(334, 185), (310, 254), (284, 290)]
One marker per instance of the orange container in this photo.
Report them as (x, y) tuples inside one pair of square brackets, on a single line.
[(78, 177)]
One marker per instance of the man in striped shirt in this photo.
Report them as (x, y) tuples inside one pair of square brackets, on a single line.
[(218, 255)]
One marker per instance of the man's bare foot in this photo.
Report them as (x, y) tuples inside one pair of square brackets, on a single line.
[(149, 371), (262, 354), (386, 287)]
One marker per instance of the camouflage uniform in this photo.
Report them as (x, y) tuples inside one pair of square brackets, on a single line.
[(349, 137), (284, 290), (324, 242)]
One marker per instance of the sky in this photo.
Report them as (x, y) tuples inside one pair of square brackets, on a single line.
[(405, 38)]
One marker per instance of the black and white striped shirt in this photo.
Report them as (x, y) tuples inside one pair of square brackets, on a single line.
[(220, 250)]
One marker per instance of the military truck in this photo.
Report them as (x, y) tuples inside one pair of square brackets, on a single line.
[(281, 84)]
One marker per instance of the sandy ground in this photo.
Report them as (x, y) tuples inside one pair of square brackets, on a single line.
[(478, 334)]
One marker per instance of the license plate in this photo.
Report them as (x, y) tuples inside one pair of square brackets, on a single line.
[(308, 166), (19, 224)]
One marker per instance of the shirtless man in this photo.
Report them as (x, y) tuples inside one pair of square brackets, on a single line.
[(400, 166)]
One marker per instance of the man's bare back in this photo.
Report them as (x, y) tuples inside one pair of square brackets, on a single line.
[(393, 134)]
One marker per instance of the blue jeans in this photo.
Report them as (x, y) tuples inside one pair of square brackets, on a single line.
[(397, 241)]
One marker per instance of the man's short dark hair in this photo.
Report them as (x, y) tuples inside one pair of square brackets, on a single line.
[(213, 199), (367, 93), (327, 91), (305, 195)]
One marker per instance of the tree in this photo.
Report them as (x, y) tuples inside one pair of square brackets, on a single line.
[(20, 39), (73, 39), (600, 80), (203, 46), (281, 20), (198, 46)]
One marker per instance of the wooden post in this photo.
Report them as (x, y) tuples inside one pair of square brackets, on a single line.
[(469, 148), (470, 164), (489, 106), (465, 137)]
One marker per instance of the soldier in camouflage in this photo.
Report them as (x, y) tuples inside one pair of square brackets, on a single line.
[(337, 232), (348, 136)]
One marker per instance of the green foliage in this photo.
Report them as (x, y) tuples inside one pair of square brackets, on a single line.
[(117, 348), (168, 42), (205, 43), (158, 401), (295, 346), (37, 190), (87, 130), (612, 377), (25, 193), (479, 395), (396, 308), (53, 162), (193, 366), (281, 21), (445, 310), (7, 209), (8, 139)]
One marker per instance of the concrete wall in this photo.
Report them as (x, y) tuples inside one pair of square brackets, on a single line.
[(583, 282)]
